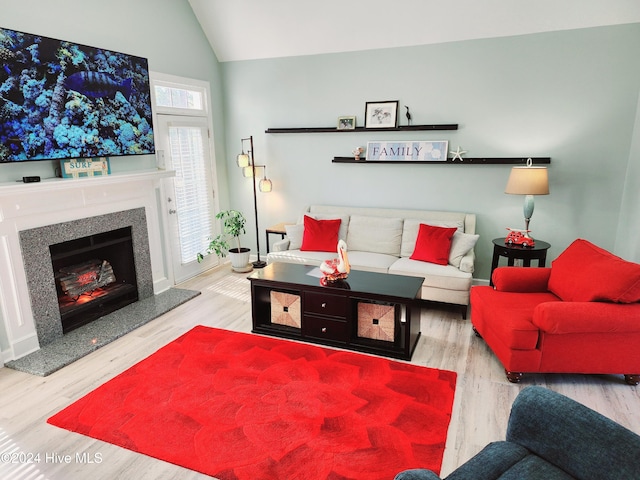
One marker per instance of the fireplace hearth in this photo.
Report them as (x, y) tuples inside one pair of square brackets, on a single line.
[(54, 254), (102, 331)]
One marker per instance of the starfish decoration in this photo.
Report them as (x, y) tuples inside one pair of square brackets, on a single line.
[(457, 154)]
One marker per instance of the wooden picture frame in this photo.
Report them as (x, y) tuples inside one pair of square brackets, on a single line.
[(381, 114), (85, 167)]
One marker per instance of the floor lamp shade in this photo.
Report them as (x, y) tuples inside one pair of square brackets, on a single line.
[(242, 160), (266, 185)]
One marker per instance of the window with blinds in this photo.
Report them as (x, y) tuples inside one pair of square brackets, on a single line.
[(191, 190)]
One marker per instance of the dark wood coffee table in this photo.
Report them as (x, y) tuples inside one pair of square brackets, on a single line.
[(369, 312)]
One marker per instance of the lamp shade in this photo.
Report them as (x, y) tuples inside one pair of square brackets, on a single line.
[(265, 185), (528, 181), (242, 160)]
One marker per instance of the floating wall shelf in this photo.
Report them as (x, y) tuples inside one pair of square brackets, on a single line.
[(450, 161), (409, 128), (404, 128)]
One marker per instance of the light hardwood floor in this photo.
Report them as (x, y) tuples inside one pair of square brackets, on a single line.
[(482, 401)]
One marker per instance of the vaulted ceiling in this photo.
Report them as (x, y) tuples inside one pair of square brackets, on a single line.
[(255, 29)]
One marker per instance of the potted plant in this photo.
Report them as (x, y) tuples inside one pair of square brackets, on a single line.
[(234, 225)]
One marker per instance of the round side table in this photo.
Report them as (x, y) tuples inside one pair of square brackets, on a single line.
[(511, 252)]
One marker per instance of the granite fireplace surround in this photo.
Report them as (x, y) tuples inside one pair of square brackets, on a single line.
[(57, 349)]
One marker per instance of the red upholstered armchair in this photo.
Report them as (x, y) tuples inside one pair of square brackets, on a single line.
[(582, 315)]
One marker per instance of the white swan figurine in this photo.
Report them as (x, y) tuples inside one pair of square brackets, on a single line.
[(336, 268)]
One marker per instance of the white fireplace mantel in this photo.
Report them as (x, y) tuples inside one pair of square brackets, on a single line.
[(25, 206), (53, 184)]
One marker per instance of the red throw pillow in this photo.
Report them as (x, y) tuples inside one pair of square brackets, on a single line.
[(585, 272), (320, 235), (433, 244)]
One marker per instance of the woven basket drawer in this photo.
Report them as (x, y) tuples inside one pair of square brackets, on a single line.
[(376, 321), (285, 309)]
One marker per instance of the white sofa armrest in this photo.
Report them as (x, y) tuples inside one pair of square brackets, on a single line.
[(281, 245), (467, 262)]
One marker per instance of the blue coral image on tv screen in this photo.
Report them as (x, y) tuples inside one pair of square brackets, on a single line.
[(61, 100)]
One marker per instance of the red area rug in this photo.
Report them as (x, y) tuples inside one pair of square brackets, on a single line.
[(240, 406)]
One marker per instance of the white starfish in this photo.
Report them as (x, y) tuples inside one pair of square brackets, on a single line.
[(458, 154)]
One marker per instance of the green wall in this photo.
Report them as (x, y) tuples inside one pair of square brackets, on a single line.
[(570, 95), (627, 243), (165, 32)]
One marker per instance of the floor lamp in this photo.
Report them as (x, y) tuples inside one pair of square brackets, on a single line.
[(246, 161)]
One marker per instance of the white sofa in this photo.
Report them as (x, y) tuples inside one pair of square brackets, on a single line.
[(382, 240)]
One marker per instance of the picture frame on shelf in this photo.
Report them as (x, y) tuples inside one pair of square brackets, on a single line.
[(408, 151), (381, 114), (347, 123), (85, 167)]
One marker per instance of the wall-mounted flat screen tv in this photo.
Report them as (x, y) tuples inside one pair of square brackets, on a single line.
[(61, 100)]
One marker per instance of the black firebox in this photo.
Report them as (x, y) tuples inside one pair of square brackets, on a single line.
[(94, 275)]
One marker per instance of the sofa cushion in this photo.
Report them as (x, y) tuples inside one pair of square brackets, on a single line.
[(411, 227), (541, 467), (294, 234), (366, 261), (491, 462), (601, 318), (505, 461), (461, 244), (344, 222), (440, 276), (375, 234), (509, 315), (585, 272), (298, 256), (581, 441), (371, 262), (521, 280), (433, 244), (513, 324), (320, 235)]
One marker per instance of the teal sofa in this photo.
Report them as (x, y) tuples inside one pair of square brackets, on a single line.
[(549, 437)]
